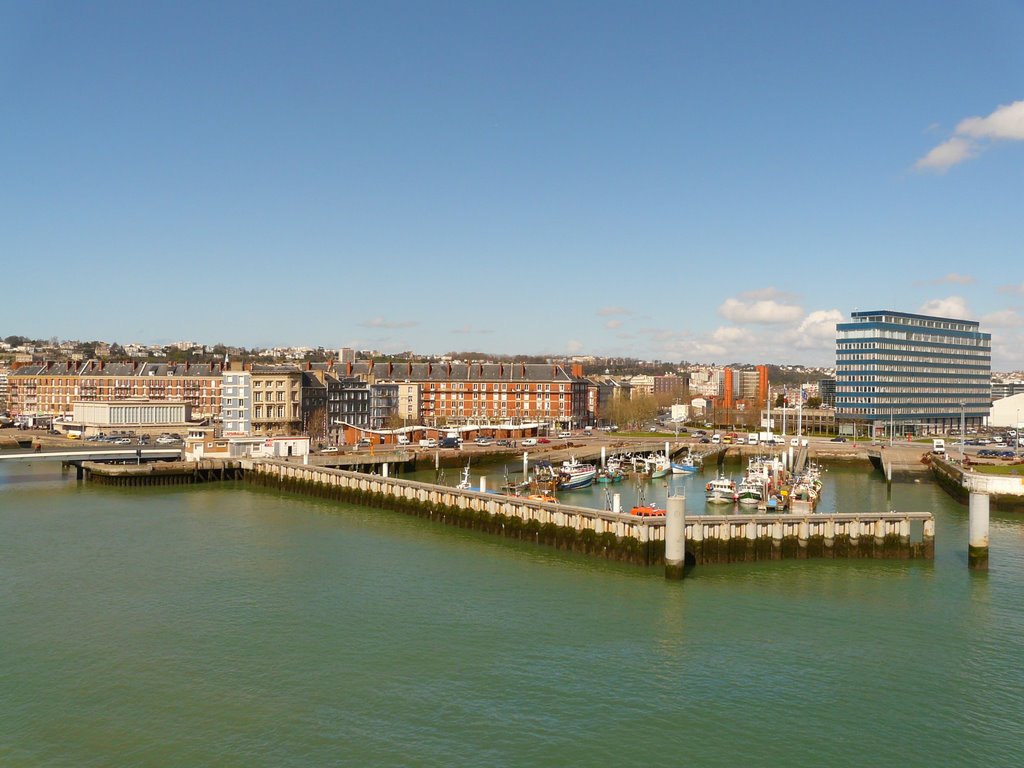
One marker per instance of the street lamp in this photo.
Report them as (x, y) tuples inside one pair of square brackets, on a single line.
[(963, 432)]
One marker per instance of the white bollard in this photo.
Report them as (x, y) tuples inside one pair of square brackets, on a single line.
[(675, 537), (526, 466), (483, 483), (617, 503), (384, 469), (977, 546), (603, 449)]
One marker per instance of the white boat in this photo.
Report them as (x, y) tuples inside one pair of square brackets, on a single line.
[(574, 475), (750, 492), (685, 467), (659, 466), (721, 490)]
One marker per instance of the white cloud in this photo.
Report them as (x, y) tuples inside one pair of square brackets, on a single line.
[(1012, 288), (607, 311), (946, 155), (1006, 123), (817, 331), (951, 306), (731, 335), (766, 312), (380, 322), (613, 324), (573, 346), (1004, 318), (953, 277)]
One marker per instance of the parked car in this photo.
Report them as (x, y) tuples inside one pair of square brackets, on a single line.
[(543, 440), (123, 441), (329, 449), (705, 440), (564, 435), (528, 441), (505, 443), (403, 440), (428, 443), (838, 439)]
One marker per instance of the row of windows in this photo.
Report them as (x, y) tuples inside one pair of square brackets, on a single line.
[(258, 412), (920, 322)]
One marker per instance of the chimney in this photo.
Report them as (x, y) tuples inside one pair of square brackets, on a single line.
[(348, 368), (391, 369), (577, 370), (430, 368), (501, 370), (67, 366), (330, 365), (135, 365), (309, 365), (449, 368), (101, 365)]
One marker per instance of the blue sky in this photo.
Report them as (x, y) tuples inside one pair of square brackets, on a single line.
[(713, 181)]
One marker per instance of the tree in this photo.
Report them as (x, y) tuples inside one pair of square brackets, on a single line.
[(780, 401), (814, 402), (316, 423)]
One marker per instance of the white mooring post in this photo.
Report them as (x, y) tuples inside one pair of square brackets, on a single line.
[(675, 537), (977, 545), (617, 503), (603, 463), (483, 483), (526, 466)]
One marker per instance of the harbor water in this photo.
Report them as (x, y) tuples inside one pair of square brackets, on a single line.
[(222, 625)]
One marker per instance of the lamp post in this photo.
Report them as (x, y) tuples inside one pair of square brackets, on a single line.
[(963, 431)]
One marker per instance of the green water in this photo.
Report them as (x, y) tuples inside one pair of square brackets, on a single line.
[(231, 627)]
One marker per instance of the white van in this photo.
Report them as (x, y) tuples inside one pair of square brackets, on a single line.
[(716, 438), (529, 441), (403, 440), (428, 443), (939, 446)]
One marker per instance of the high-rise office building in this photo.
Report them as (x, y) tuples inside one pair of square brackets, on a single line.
[(914, 373)]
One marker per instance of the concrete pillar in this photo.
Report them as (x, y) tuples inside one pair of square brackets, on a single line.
[(977, 549), (617, 503), (384, 469), (675, 535), (603, 456), (526, 466), (483, 484)]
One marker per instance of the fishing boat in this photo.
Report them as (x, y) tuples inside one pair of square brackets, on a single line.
[(685, 467), (721, 490), (610, 475), (464, 484), (750, 492), (658, 466), (575, 474)]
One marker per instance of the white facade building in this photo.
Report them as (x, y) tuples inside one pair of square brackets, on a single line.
[(236, 404), (1007, 412), (120, 413)]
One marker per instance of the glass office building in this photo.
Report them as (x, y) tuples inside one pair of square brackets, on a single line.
[(912, 373)]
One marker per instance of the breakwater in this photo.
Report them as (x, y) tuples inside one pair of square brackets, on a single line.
[(709, 539)]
